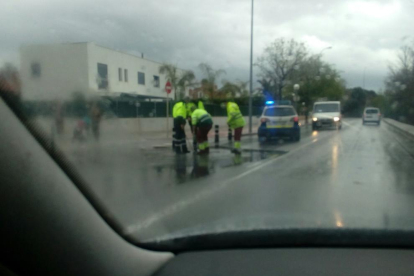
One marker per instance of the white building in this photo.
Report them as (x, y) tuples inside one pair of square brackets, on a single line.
[(56, 71)]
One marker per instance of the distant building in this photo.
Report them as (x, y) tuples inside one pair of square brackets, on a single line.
[(56, 71)]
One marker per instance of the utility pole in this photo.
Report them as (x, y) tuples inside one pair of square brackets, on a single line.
[(251, 73)]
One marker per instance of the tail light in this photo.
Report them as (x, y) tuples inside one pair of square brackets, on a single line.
[(263, 121), (295, 120)]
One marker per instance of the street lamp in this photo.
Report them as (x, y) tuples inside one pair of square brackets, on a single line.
[(251, 73), (327, 48)]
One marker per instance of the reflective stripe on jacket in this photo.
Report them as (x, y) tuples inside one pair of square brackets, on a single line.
[(201, 117)]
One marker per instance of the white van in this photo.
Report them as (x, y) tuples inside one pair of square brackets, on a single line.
[(371, 115), (326, 114)]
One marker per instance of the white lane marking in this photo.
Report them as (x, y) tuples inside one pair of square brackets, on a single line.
[(185, 203), (348, 124)]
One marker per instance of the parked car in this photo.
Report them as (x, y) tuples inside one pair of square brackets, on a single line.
[(371, 115), (326, 114)]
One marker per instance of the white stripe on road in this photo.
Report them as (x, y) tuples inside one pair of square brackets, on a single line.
[(348, 124), (185, 203)]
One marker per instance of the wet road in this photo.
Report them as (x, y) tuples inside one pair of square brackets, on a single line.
[(358, 177)]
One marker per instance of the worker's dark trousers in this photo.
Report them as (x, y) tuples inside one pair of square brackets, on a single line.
[(179, 139), (202, 137)]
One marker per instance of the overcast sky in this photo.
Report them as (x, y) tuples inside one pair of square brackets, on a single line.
[(364, 35)]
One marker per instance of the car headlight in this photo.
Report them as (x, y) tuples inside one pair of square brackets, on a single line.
[(314, 119), (336, 119)]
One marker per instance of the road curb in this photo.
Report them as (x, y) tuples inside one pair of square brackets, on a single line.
[(398, 129)]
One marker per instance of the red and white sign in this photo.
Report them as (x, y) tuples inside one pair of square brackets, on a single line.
[(168, 87)]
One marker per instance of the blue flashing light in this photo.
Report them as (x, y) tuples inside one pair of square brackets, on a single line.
[(270, 102)]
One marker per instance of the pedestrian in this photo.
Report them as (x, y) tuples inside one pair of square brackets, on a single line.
[(200, 105), (306, 113), (189, 104), (202, 124), (236, 122), (179, 139), (58, 115), (96, 115)]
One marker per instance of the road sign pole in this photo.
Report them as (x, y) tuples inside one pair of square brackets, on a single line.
[(168, 88), (168, 114)]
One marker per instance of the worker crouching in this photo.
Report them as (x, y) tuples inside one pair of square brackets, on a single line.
[(236, 122), (202, 124)]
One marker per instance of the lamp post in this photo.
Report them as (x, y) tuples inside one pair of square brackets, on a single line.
[(251, 73), (327, 48)]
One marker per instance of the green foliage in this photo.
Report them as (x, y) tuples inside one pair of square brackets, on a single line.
[(286, 63), (358, 99), (179, 82), (234, 90), (399, 97)]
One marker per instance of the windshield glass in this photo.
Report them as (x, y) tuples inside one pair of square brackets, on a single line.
[(320, 108), (372, 111), (158, 107), (279, 111)]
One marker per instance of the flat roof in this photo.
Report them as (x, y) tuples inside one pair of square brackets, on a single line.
[(97, 45)]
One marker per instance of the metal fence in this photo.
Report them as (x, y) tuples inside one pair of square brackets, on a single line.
[(158, 109), (126, 109)]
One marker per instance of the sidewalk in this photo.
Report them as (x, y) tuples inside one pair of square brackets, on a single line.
[(405, 129), (146, 140)]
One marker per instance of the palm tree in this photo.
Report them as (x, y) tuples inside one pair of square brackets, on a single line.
[(179, 81), (232, 90), (208, 84)]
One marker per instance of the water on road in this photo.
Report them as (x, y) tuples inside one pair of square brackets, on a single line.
[(357, 177)]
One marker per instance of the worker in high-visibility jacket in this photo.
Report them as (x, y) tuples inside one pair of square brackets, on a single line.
[(236, 122), (202, 124), (179, 139), (198, 104)]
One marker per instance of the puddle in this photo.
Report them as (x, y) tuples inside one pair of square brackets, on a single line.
[(190, 166)]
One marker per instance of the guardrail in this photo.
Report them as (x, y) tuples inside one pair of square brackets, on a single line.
[(405, 129)]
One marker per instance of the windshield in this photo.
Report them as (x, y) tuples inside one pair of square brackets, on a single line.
[(158, 107), (372, 111), (279, 111), (321, 108)]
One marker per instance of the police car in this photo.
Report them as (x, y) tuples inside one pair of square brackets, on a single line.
[(279, 121)]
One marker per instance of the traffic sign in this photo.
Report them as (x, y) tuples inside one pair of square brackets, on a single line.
[(168, 87)]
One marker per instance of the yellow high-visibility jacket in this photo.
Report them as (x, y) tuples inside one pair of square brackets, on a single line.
[(235, 118), (179, 110)]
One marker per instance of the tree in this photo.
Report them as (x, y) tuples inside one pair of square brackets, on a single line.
[(209, 82), (279, 62), (235, 89), (179, 81), (400, 87)]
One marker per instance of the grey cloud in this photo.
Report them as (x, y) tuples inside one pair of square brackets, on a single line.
[(363, 33)]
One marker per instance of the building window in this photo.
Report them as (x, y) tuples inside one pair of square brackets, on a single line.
[(102, 76), (141, 78), (156, 81), (36, 70), (125, 75), (120, 74)]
